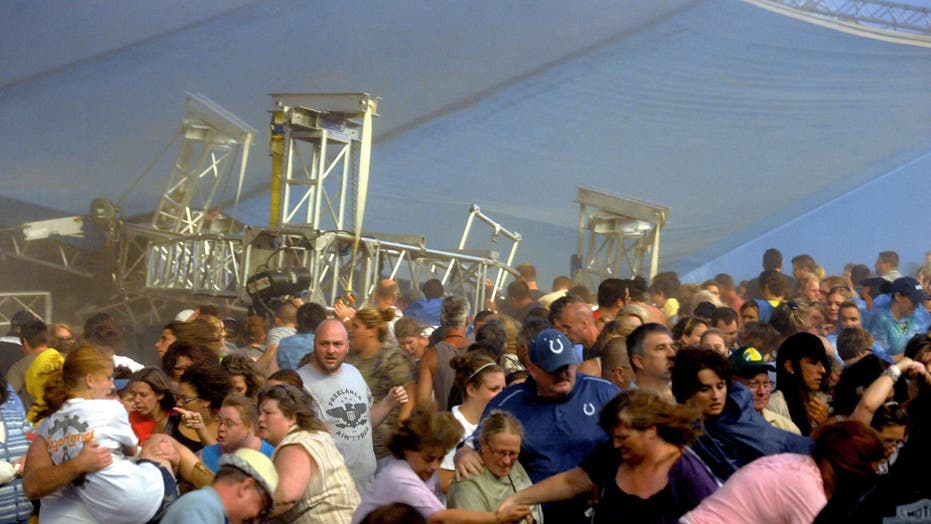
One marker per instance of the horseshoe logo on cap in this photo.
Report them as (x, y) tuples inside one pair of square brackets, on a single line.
[(588, 408), (554, 350)]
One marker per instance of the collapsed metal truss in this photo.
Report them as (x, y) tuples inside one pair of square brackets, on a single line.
[(337, 269), (320, 154), (212, 140), (497, 231), (38, 303), (890, 16), (44, 243), (614, 230)]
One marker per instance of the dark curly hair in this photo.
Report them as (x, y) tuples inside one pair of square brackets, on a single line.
[(245, 367), (210, 380)]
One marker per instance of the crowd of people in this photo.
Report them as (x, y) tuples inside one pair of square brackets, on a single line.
[(786, 398)]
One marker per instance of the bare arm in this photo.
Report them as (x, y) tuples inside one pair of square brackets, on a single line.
[(425, 375), (464, 516), (408, 407), (879, 390), (268, 362), (381, 409), (561, 486), (295, 469), (42, 477)]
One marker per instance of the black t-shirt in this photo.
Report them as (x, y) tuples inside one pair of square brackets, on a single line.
[(689, 483)]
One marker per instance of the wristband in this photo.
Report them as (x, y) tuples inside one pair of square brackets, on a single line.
[(893, 372)]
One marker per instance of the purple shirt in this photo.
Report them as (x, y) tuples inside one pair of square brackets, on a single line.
[(398, 483)]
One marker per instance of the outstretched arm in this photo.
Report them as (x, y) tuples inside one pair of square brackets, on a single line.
[(561, 486)]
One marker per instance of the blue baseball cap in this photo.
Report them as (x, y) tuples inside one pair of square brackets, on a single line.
[(551, 350), (911, 288)]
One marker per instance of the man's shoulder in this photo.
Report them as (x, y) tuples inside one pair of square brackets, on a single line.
[(596, 384), (200, 505), (513, 395)]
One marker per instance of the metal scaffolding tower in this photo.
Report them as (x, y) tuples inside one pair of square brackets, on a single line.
[(321, 148), (314, 244), (212, 140), (614, 230)]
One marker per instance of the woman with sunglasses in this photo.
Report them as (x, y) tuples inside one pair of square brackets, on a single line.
[(201, 391)]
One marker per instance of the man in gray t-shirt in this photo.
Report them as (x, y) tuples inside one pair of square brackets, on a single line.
[(344, 401)]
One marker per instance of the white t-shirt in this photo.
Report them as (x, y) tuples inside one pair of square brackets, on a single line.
[(122, 492), (343, 401), (126, 362), (469, 429)]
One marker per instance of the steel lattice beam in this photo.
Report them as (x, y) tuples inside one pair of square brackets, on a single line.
[(892, 16), (615, 231)]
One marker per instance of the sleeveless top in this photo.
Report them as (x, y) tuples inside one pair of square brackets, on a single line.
[(173, 429), (445, 377), (330, 496)]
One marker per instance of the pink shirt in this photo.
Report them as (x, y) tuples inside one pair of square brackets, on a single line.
[(784, 489)]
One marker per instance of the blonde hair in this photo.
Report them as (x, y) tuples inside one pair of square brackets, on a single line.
[(376, 318)]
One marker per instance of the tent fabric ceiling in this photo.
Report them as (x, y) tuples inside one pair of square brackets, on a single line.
[(736, 118)]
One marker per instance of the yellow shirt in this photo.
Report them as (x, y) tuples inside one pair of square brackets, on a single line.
[(36, 377)]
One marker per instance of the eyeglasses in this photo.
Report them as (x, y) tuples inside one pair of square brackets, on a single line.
[(187, 400), (759, 384), (506, 454)]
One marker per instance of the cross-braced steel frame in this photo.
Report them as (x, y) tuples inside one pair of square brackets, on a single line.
[(615, 235)]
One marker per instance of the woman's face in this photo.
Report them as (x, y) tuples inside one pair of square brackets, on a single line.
[(425, 462), (892, 437), (232, 433), (189, 399), (812, 373), (181, 364), (359, 335), (273, 424), (630, 443), (749, 314), (693, 338), (145, 399), (101, 383), (833, 305), (500, 452), (711, 395), (715, 343), (164, 340), (492, 384), (239, 385)]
